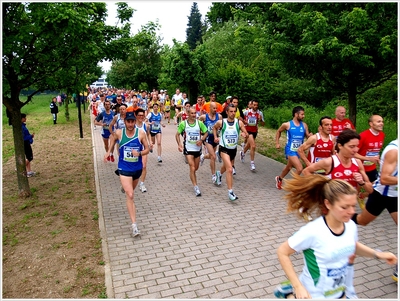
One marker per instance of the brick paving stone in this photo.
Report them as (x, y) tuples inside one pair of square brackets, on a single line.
[(209, 247)]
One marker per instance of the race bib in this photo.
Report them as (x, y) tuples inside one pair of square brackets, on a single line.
[(370, 154), (167, 108), (337, 279), (231, 140), (128, 156), (193, 137), (156, 126), (252, 121), (294, 146)]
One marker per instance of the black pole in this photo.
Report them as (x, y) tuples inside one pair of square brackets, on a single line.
[(79, 115)]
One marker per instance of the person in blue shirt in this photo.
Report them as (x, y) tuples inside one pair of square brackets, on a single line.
[(133, 145), (28, 140), (296, 130)]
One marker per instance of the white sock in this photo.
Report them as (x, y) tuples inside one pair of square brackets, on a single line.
[(230, 190)]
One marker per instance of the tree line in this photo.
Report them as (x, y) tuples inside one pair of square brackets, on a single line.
[(274, 52)]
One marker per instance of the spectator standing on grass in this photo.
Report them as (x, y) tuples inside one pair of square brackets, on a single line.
[(133, 145), (28, 140), (54, 109), (326, 243)]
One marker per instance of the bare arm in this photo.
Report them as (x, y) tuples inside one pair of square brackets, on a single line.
[(216, 127), (110, 127), (388, 167), (363, 250), (306, 146), (243, 129), (361, 177), (282, 128), (308, 133), (324, 164), (284, 251)]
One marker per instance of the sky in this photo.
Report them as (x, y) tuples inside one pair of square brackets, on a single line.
[(171, 15)]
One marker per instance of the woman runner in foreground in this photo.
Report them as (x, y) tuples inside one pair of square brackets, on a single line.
[(326, 243)]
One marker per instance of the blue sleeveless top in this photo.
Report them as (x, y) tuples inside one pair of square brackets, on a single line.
[(295, 137), (128, 162)]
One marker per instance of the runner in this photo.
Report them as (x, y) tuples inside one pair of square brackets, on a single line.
[(118, 122), (371, 142), (230, 128), (339, 123), (104, 119), (155, 120), (238, 115), (167, 108), (133, 145), (140, 124), (320, 145), (177, 102), (252, 117), (296, 130), (385, 194), (210, 119), (184, 114), (326, 242), (195, 133)]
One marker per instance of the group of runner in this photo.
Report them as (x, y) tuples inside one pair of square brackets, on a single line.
[(340, 166)]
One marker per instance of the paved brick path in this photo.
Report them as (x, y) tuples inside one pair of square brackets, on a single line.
[(209, 247)]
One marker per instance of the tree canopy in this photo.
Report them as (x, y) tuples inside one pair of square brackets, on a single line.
[(53, 46), (194, 27)]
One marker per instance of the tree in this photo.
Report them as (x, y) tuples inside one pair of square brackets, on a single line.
[(52, 46), (345, 47), (143, 63), (194, 29), (185, 68)]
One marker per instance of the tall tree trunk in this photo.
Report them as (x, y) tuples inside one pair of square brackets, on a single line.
[(352, 101), (23, 183)]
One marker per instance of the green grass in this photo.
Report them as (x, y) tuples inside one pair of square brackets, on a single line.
[(38, 115)]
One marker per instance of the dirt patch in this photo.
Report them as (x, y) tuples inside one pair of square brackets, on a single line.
[(51, 241)]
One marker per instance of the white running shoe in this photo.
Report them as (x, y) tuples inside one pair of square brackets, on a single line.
[(252, 167), (135, 230), (214, 179), (233, 170), (219, 177), (201, 159), (159, 159), (218, 157), (197, 191), (242, 155), (232, 196), (142, 188)]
